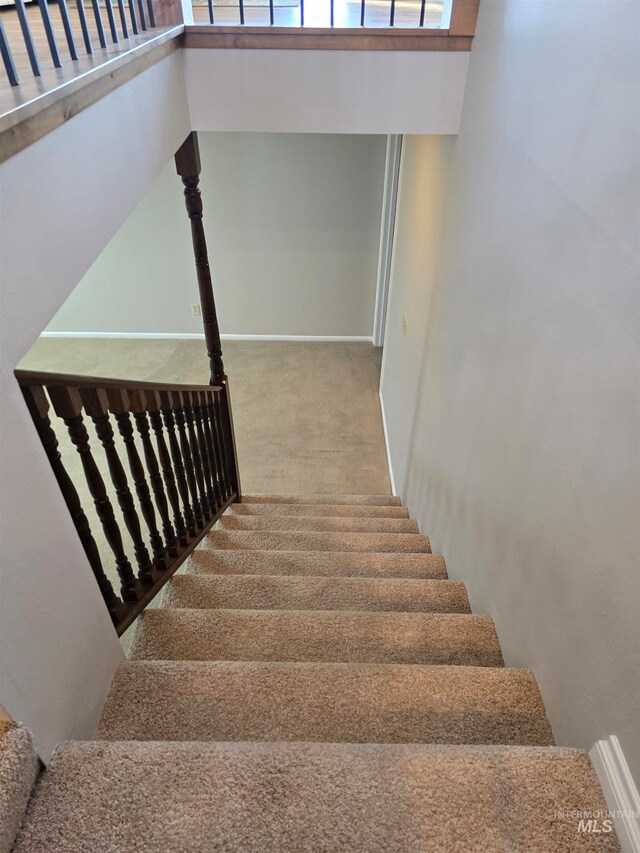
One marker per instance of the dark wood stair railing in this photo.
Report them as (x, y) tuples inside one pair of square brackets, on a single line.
[(188, 167), (187, 470)]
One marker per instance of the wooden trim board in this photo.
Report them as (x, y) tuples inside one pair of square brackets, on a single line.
[(211, 36)]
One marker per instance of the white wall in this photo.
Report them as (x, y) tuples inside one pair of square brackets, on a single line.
[(292, 223), (62, 200), (425, 170), (326, 91), (512, 404)]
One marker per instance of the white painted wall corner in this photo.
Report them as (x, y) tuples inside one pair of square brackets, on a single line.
[(387, 230), (386, 444), (619, 791)]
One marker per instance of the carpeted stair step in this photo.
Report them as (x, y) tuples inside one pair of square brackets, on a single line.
[(264, 540), (334, 702), (335, 510), (346, 500), (256, 797), (19, 768), (317, 523), (274, 592), (349, 636), (318, 563)]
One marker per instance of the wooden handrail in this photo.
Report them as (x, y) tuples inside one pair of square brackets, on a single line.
[(40, 377), (186, 481)]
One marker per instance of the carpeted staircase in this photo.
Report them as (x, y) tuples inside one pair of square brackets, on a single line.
[(314, 682)]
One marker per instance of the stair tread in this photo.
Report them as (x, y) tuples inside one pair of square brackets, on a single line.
[(318, 498), (303, 523), (306, 796), (356, 703), (318, 563), (412, 543), (317, 635), (329, 510), (305, 592)]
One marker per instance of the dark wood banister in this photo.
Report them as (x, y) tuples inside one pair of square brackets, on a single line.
[(39, 377), (204, 456)]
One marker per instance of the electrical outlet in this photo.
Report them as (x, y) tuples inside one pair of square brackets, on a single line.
[(405, 325), (195, 309)]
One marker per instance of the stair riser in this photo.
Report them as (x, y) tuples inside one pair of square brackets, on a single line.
[(313, 524), (328, 500), (323, 702), (395, 543), (340, 636), (319, 563), (328, 510), (262, 592)]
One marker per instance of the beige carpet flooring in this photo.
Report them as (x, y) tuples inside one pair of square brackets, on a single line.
[(307, 415), (312, 797), (333, 702), (316, 636), (19, 767), (279, 592), (327, 563)]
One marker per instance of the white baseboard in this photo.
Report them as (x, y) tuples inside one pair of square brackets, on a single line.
[(171, 336), (344, 339), (619, 791), (386, 444), (199, 336)]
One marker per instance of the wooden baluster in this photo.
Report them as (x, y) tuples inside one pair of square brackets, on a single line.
[(119, 406), (208, 407), (38, 405), (206, 449), (96, 405), (226, 423), (137, 405), (153, 408), (214, 410), (67, 404), (182, 463), (198, 453), (188, 166)]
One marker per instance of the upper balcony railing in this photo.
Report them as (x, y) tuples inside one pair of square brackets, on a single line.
[(42, 36), (59, 57), (38, 39)]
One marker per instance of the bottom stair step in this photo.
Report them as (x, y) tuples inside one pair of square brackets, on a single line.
[(356, 703), (314, 797)]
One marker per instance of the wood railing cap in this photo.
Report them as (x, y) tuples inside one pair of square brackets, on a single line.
[(37, 377)]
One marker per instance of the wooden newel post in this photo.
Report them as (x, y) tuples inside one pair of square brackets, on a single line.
[(188, 167)]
